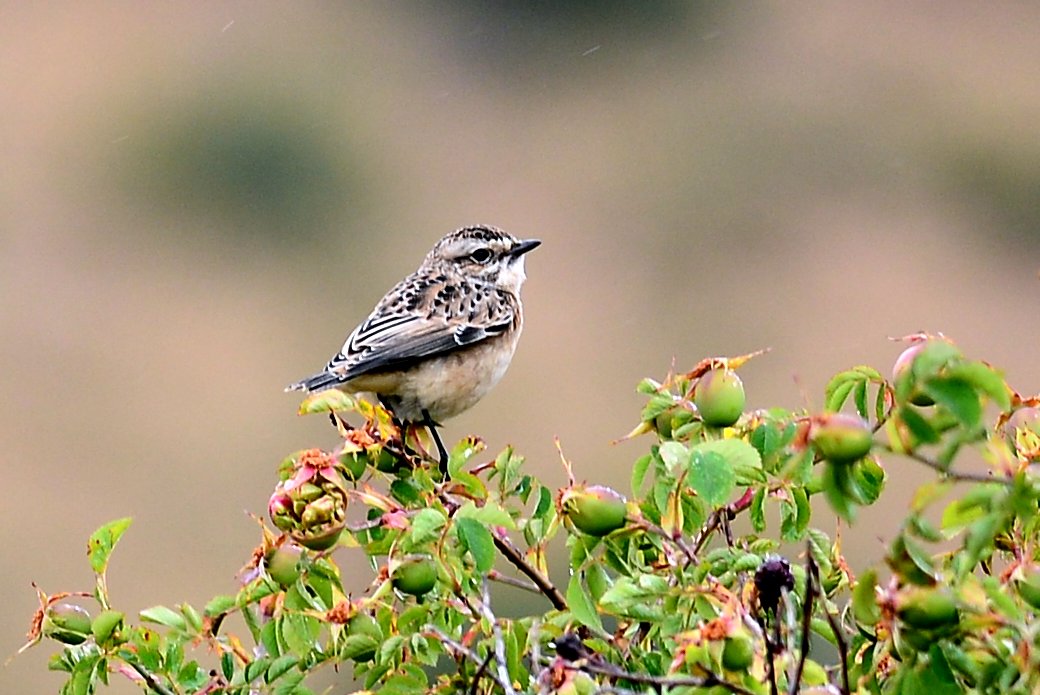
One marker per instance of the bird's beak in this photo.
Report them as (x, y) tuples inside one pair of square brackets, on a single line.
[(524, 246)]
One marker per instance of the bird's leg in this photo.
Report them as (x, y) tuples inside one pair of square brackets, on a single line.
[(398, 424), (441, 451)]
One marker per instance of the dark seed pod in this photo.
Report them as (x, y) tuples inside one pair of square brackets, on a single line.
[(772, 577), (569, 647)]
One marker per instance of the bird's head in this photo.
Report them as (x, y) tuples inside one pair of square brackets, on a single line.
[(484, 253)]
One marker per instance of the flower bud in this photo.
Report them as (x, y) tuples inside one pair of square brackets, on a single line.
[(719, 397), (416, 576), (283, 564), (738, 653), (841, 438), (66, 623), (596, 510)]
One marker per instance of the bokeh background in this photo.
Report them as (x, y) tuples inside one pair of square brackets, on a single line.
[(198, 201)]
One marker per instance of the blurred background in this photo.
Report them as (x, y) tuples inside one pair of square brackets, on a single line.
[(198, 202)]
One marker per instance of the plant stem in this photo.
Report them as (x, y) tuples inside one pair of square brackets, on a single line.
[(513, 554)]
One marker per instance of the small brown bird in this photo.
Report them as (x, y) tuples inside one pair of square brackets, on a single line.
[(438, 341)]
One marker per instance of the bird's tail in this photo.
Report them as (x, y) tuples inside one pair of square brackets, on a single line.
[(318, 382)]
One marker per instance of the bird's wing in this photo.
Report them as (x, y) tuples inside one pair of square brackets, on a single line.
[(384, 343)]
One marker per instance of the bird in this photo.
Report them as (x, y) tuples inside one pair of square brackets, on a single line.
[(442, 337)]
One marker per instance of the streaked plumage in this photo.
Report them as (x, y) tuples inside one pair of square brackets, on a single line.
[(442, 337)]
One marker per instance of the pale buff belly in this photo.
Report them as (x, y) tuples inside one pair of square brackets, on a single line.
[(443, 386)]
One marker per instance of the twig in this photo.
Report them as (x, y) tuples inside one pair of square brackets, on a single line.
[(843, 649), (807, 608), (730, 511), (950, 474), (516, 558), (150, 680), (771, 644), (459, 649), (708, 681), (496, 576), (500, 644), (480, 672), (691, 556)]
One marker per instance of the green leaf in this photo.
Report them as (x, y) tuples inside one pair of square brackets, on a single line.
[(985, 379), (958, 397), (835, 490), (406, 492), (712, 477), (639, 470), (292, 684), (657, 404), (919, 427), (427, 525), (327, 401), (743, 458), (880, 403), (973, 505), (191, 676), (146, 645), (979, 543), (299, 632), (801, 501), (674, 455), (401, 684), (869, 478), (838, 391), (766, 439), (219, 604), (103, 541), (799, 467), (490, 514), (864, 599), (545, 503), (918, 555), (192, 617), (227, 665), (477, 539), (788, 517), (648, 387), (257, 667), (631, 600), (859, 396), (164, 616), (356, 645), (997, 593), (757, 511), (280, 666), (580, 605), (936, 678)]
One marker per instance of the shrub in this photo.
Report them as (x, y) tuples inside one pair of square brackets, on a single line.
[(663, 595)]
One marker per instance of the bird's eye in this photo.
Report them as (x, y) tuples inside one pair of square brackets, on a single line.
[(481, 255)]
